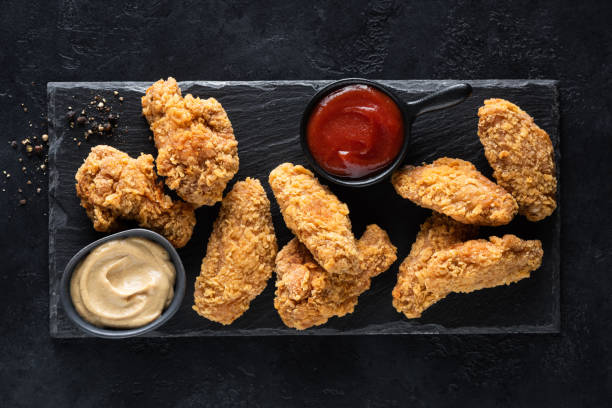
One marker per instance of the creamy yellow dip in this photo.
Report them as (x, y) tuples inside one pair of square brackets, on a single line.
[(123, 283)]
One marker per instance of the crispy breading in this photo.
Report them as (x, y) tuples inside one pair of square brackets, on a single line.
[(440, 262), (197, 151), (307, 295), (455, 187), (240, 254), (521, 155), (317, 218), (112, 185)]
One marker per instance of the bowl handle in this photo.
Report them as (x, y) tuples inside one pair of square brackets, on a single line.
[(439, 100)]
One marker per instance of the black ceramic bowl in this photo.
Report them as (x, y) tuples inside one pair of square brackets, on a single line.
[(179, 287), (410, 110)]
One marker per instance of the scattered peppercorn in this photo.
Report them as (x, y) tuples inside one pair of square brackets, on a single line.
[(38, 190), (107, 127), (29, 148), (81, 120), (45, 137), (38, 149), (13, 144), (23, 201)]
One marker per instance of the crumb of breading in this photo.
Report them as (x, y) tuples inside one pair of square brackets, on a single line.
[(197, 151), (521, 155), (456, 188), (240, 254), (112, 185)]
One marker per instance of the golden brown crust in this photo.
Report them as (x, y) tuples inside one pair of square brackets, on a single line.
[(316, 217), (112, 185), (521, 155), (307, 295), (376, 252), (440, 262), (197, 151), (240, 254), (456, 188)]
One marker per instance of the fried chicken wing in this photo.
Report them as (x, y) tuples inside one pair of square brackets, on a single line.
[(197, 151), (456, 188), (112, 185), (240, 254), (440, 263), (521, 155), (317, 218), (307, 295)]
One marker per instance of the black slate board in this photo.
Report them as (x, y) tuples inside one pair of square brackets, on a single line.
[(265, 116)]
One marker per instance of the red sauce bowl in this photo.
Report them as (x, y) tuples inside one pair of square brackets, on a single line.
[(371, 121)]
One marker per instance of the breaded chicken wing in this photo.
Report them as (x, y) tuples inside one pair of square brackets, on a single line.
[(240, 254), (307, 295), (455, 188), (112, 185), (197, 151), (440, 263), (521, 155), (317, 218)]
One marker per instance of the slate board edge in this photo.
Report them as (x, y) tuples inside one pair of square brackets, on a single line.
[(426, 85), (557, 245), (544, 329), (53, 175)]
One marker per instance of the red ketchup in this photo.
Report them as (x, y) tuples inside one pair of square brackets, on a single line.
[(355, 131)]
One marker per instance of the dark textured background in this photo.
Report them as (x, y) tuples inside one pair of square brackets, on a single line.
[(67, 40)]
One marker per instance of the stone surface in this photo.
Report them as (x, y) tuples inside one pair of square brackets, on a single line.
[(266, 117), (78, 40)]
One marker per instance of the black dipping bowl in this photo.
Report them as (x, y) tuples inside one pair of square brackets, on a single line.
[(179, 287), (410, 110)]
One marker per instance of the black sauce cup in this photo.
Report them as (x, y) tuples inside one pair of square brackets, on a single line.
[(109, 333), (444, 98)]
